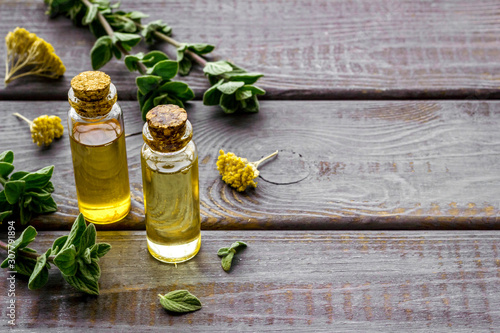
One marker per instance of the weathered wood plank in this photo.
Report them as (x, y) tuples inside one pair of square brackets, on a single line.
[(284, 281), (361, 49), (342, 165)]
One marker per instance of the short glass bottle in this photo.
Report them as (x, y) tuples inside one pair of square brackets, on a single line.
[(97, 138), (169, 161)]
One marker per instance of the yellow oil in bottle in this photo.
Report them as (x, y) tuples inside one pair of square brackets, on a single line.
[(172, 207), (101, 173)]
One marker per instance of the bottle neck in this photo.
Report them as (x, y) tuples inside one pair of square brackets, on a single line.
[(93, 109), (167, 144)]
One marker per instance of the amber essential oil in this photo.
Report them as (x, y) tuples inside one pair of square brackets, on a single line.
[(101, 173), (95, 122), (169, 161)]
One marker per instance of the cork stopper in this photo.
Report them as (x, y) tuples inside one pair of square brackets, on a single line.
[(91, 85), (167, 126), (92, 94)]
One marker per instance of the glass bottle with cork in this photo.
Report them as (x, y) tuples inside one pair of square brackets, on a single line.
[(169, 161), (97, 137)]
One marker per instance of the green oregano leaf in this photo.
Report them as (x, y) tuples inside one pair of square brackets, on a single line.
[(227, 254), (180, 301), (13, 190), (101, 52), (90, 15), (217, 68), (66, 261), (227, 260), (40, 274), (7, 156)]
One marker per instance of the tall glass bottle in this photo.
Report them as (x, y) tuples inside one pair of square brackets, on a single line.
[(96, 131), (169, 161)]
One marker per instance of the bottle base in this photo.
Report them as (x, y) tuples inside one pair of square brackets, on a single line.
[(98, 215), (174, 254)]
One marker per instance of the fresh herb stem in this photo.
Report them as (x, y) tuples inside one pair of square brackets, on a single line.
[(25, 254), (196, 58), (23, 118)]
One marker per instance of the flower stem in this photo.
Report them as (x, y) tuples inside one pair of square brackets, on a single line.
[(23, 118), (262, 160), (196, 58)]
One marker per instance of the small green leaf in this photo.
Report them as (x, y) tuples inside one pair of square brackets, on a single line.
[(228, 103), (44, 206), (127, 40), (5, 214), (212, 95), (217, 68), (86, 256), (81, 283), (148, 105), (155, 26), (5, 169), (40, 274), (166, 69), (185, 66), (27, 236), (136, 15), (229, 88), (88, 238), (39, 178), (101, 52), (146, 83), (7, 156), (100, 249), (24, 265), (199, 48), (243, 94), (58, 244), (238, 246), (252, 104), (180, 89), (223, 251), (13, 190), (180, 301), (66, 261), (18, 175), (153, 57), (132, 61), (76, 232), (90, 15), (91, 272), (254, 89), (227, 261), (160, 100)]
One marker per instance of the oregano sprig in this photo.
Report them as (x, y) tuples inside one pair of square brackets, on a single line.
[(76, 255), (227, 254), (24, 193)]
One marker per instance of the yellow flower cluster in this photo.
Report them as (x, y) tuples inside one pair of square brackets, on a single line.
[(44, 129), (27, 51), (236, 171)]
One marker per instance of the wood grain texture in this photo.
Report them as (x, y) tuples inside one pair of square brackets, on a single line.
[(367, 165), (309, 281), (361, 49)]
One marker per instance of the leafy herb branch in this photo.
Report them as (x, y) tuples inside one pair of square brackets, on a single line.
[(117, 32), (24, 193), (76, 255)]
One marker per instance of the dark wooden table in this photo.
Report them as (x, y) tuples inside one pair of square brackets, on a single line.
[(380, 213)]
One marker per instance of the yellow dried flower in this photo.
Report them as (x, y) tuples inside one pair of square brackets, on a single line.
[(44, 128), (27, 51), (237, 171)]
